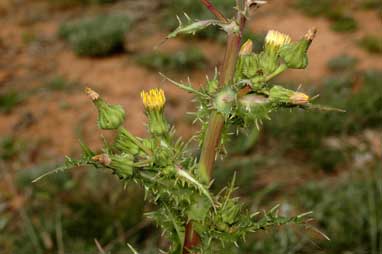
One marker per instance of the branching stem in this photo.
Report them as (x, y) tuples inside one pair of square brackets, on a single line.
[(216, 124)]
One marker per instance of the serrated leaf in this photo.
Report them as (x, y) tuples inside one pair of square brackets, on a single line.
[(69, 164), (192, 26), (183, 174)]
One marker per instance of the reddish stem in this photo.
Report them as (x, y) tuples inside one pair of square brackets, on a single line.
[(216, 124), (214, 11)]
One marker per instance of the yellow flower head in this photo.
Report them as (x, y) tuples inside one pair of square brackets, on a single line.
[(277, 39), (153, 99)]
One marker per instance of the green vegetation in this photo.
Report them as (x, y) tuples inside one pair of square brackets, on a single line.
[(342, 63), (343, 23), (334, 10), (68, 215), (9, 100), (348, 211), (59, 83), (9, 147), (183, 60), (97, 36), (372, 44), (307, 132), (313, 7), (371, 4), (71, 3)]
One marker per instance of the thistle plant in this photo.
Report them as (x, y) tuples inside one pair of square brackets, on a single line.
[(240, 95)]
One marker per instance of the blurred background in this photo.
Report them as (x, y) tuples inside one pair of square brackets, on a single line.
[(329, 163)]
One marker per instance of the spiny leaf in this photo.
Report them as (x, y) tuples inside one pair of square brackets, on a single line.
[(186, 87), (195, 183), (323, 108), (192, 26), (69, 164)]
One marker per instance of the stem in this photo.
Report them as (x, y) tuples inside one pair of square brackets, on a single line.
[(214, 11), (216, 124)]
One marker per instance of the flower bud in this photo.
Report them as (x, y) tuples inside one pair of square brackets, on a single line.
[(249, 66), (110, 117), (281, 95), (122, 164), (295, 55), (274, 41), (125, 142), (256, 107), (224, 100), (251, 101), (154, 101), (246, 48), (299, 99)]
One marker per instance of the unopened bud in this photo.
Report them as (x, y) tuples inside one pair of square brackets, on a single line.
[(225, 100), (122, 164), (311, 34), (125, 142), (92, 94), (283, 95), (299, 98), (103, 159), (246, 48), (252, 100), (256, 107), (295, 54), (110, 117), (247, 67), (279, 94)]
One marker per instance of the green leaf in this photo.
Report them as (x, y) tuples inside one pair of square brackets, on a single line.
[(192, 26), (199, 209)]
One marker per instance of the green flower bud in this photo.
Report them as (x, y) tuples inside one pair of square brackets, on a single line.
[(110, 117), (246, 48), (248, 66), (295, 55), (252, 101), (255, 108), (269, 63), (122, 164), (281, 95), (125, 142), (225, 100)]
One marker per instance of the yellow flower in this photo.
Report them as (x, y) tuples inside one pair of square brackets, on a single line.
[(276, 39), (153, 99)]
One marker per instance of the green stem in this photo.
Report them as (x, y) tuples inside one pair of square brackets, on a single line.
[(216, 124)]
